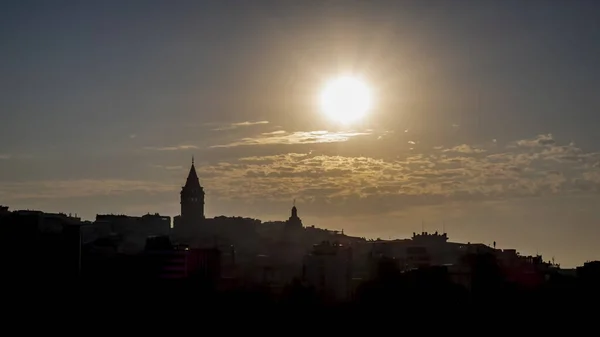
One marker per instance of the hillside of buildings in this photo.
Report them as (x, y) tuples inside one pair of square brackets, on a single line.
[(272, 264)]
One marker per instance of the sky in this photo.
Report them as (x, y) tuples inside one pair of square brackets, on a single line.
[(484, 122)]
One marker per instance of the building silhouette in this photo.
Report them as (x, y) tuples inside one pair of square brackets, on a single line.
[(192, 199), (132, 231), (192, 205), (328, 268), (294, 222)]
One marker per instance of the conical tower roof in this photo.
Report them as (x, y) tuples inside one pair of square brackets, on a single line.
[(192, 179)]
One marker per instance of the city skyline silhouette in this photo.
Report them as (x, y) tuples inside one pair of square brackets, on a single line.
[(479, 123), (246, 263)]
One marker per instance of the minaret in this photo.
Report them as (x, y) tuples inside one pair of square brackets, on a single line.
[(192, 199)]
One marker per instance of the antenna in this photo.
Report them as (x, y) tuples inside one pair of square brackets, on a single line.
[(422, 226), (294, 202), (192, 160)]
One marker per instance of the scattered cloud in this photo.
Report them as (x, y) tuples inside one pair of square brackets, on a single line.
[(464, 148), (540, 140), (238, 125), (364, 176), (5, 156), (132, 136), (539, 166), (300, 137), (171, 148)]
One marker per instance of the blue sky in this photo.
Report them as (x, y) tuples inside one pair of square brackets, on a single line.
[(485, 117)]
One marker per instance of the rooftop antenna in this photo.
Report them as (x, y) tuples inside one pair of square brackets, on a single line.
[(192, 160), (294, 202)]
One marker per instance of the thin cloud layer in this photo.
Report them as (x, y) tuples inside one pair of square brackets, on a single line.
[(171, 148), (238, 125), (291, 138)]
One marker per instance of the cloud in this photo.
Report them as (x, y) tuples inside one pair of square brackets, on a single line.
[(5, 156), (357, 175), (300, 137), (278, 132), (171, 148), (247, 123), (526, 168), (238, 125), (464, 148), (539, 141)]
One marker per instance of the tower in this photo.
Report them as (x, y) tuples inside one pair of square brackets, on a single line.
[(192, 199), (294, 221)]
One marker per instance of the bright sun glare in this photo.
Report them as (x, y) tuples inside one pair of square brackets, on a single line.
[(346, 99)]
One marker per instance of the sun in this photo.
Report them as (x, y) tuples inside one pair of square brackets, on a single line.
[(346, 99)]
